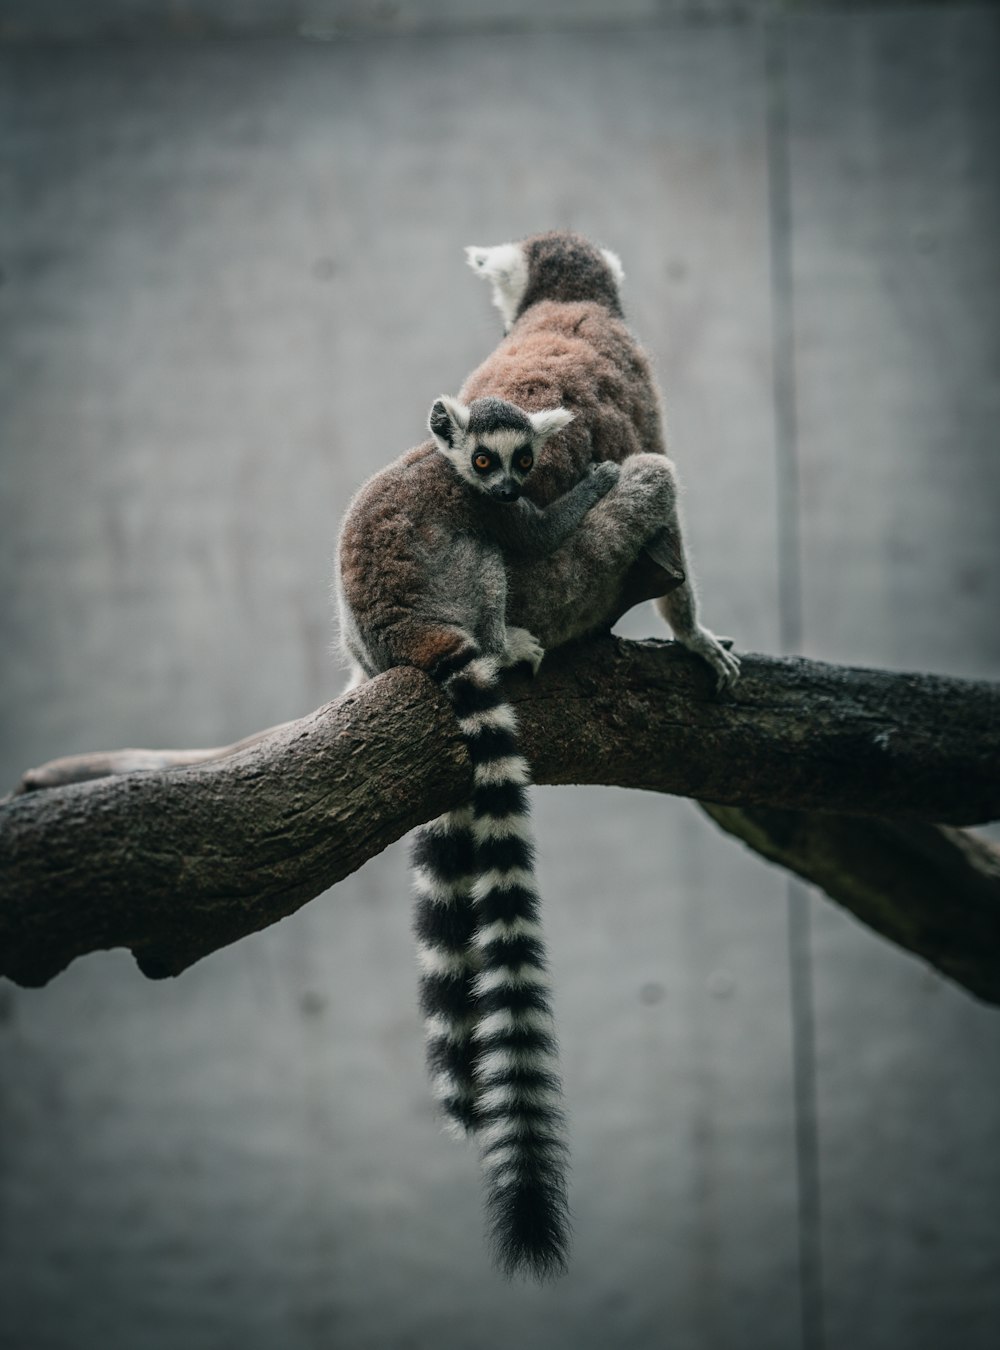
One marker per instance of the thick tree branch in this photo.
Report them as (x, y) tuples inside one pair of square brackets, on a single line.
[(177, 862), (104, 763)]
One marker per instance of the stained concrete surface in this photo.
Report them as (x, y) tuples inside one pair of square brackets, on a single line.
[(233, 283), (322, 20)]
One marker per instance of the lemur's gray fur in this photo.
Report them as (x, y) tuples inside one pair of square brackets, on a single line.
[(510, 531)]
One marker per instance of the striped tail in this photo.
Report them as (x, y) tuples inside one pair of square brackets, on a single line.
[(486, 990), (443, 865)]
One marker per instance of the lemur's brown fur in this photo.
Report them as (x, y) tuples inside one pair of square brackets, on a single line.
[(581, 356), (386, 583)]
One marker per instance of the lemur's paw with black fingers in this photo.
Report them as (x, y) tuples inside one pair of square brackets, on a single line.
[(725, 664), (523, 648)]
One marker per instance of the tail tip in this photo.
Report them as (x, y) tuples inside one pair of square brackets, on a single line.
[(530, 1234), (542, 1262)]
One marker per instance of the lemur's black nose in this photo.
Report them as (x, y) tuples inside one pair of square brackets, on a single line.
[(506, 492)]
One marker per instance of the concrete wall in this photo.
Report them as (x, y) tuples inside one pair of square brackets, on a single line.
[(232, 283), (69, 20)]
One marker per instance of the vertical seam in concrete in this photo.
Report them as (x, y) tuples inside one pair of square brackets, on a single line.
[(790, 629), (783, 338)]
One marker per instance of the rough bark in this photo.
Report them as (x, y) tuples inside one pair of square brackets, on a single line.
[(176, 862)]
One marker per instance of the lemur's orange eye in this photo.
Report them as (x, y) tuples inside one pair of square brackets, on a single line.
[(524, 463), (481, 462)]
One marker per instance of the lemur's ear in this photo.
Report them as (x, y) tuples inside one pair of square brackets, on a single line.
[(448, 422), (615, 263), (497, 263), (549, 421), (506, 268)]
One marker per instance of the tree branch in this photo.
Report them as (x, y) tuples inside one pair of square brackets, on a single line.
[(176, 862)]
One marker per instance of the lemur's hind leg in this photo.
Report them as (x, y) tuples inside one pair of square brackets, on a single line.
[(575, 591), (680, 605), (578, 590), (679, 610), (665, 545)]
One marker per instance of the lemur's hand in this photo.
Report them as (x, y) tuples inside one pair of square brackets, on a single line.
[(522, 648), (603, 477)]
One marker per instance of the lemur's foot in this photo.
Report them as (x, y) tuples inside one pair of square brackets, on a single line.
[(523, 648), (726, 664)]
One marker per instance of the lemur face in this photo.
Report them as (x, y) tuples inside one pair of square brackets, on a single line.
[(501, 461), (492, 444)]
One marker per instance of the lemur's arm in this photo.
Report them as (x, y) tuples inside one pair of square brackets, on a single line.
[(527, 532)]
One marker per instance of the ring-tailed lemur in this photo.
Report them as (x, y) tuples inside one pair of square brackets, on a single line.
[(425, 580), (423, 583), (567, 342)]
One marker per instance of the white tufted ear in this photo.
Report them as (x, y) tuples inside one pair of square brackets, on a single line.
[(499, 262), (615, 263), (448, 422), (547, 422), (505, 266)]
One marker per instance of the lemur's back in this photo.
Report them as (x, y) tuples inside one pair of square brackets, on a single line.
[(580, 355)]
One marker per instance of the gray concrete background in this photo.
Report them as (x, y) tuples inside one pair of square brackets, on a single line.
[(232, 283), (70, 20)]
